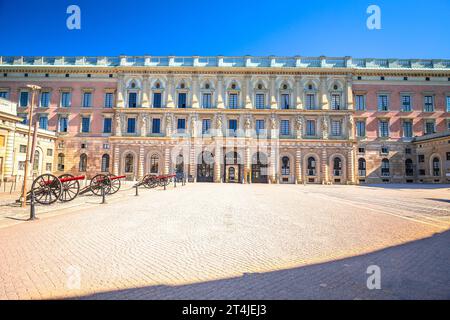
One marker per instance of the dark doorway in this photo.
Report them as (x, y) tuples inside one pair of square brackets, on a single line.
[(259, 168), (205, 167)]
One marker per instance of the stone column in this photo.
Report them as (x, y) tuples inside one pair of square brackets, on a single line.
[(218, 162), (120, 92), (118, 125), (324, 170), (195, 92), (140, 173), (247, 93), (116, 160), (273, 164), (145, 88), (9, 155), (220, 95), (247, 165), (351, 167), (166, 160), (323, 94), (143, 124), (299, 91), (192, 165), (273, 93), (298, 167), (349, 93), (170, 92)]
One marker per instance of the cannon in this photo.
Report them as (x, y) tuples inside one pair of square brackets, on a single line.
[(48, 188), (109, 182), (150, 181)]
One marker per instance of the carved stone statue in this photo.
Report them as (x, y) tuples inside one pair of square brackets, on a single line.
[(118, 125), (299, 122), (273, 123), (248, 124), (168, 124), (193, 126), (143, 125), (219, 122), (350, 126), (325, 127)]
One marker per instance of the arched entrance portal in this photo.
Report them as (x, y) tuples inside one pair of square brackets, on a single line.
[(232, 167), (259, 168), (205, 167)]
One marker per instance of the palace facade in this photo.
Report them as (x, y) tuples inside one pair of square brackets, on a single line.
[(241, 119)]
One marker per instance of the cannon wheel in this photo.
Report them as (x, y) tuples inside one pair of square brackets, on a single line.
[(164, 182), (115, 184), (150, 182), (70, 189), (47, 189), (99, 181)]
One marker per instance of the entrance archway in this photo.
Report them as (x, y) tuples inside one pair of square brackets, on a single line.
[(259, 168), (205, 167), (232, 167)]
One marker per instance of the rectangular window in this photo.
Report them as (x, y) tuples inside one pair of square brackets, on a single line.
[(156, 125), (85, 124), (421, 158), (206, 126), (384, 128), (157, 100), (131, 125), (448, 156), (48, 167), (45, 99), (206, 101), (448, 103), (407, 129), (181, 125), (260, 101), (310, 128), (429, 104), (21, 165), (66, 99), (233, 101), (430, 126), (182, 98), (336, 102), (260, 126), (132, 100), (336, 128), (406, 103), (62, 124), (23, 100), (383, 103), (232, 127), (4, 94), (109, 100), (87, 99), (107, 125), (360, 103), (285, 129), (49, 152), (285, 101), (22, 148), (43, 122), (310, 101), (361, 128)]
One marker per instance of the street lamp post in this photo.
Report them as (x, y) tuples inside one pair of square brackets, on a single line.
[(33, 88)]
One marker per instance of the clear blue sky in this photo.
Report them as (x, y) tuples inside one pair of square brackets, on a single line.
[(410, 29)]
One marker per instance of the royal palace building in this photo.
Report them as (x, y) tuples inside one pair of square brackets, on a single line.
[(241, 119)]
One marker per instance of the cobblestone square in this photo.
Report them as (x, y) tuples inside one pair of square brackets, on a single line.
[(233, 241)]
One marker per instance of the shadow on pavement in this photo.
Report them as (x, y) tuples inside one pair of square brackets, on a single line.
[(407, 186), (415, 270)]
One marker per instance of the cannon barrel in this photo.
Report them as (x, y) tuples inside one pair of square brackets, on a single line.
[(68, 179), (118, 177)]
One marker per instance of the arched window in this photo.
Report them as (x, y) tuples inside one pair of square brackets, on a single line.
[(105, 163), (36, 161), (436, 167), (311, 166), (61, 162), (409, 168), (82, 167), (285, 166), (362, 167), (337, 167), (385, 168), (129, 163), (154, 164)]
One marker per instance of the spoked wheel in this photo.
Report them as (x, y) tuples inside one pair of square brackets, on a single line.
[(47, 189), (164, 182), (98, 182), (115, 184), (150, 181), (70, 189)]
